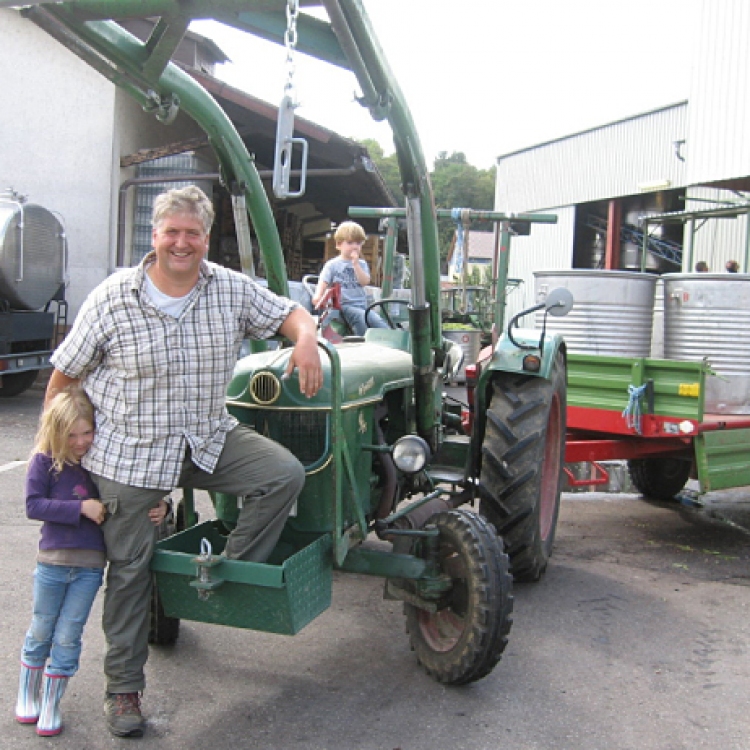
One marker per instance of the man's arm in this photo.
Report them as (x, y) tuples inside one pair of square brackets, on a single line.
[(58, 381), (300, 327)]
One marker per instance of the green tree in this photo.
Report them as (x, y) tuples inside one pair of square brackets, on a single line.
[(455, 183), (388, 168), (458, 184)]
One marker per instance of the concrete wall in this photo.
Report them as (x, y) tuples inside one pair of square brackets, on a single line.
[(56, 143)]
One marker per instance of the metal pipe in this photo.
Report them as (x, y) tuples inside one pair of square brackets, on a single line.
[(347, 43), (242, 228), (690, 244), (416, 253), (391, 242)]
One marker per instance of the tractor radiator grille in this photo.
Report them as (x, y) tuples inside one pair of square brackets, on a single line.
[(305, 434)]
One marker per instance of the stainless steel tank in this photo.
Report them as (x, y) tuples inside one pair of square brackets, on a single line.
[(707, 315), (32, 253), (612, 313), (470, 341)]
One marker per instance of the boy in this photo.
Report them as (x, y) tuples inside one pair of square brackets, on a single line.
[(349, 270)]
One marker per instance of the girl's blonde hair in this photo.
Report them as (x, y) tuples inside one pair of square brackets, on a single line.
[(57, 421)]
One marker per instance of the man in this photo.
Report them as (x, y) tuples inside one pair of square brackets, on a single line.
[(733, 266), (154, 347)]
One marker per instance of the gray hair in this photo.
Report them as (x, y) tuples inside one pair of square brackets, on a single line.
[(189, 200)]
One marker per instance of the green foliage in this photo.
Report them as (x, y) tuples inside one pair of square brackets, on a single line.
[(455, 183), (388, 167)]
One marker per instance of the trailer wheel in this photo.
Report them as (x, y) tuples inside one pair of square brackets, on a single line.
[(659, 478), (163, 630), (17, 382), (522, 460), (464, 639)]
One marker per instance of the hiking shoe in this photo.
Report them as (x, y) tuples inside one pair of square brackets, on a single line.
[(123, 711)]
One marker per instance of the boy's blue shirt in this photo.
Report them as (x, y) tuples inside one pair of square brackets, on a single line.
[(338, 270)]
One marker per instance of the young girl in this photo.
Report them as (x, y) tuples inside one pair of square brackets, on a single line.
[(71, 557)]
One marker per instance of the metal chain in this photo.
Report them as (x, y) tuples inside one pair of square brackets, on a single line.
[(290, 41)]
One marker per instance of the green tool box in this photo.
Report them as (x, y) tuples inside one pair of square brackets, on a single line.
[(279, 596)]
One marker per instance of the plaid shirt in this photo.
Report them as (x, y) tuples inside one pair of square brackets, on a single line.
[(158, 383)]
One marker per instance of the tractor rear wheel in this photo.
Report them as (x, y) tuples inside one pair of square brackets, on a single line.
[(522, 459), (659, 478), (464, 639)]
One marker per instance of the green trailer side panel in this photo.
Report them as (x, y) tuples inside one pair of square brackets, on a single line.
[(598, 382), (723, 459)]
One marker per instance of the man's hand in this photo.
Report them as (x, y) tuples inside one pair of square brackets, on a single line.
[(306, 358), (300, 328)]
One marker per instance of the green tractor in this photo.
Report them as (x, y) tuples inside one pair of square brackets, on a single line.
[(447, 508)]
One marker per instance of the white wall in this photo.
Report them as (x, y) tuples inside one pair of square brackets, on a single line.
[(56, 143)]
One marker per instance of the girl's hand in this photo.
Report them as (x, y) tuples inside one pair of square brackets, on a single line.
[(93, 510), (158, 513)]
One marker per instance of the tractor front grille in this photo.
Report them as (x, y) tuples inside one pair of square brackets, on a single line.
[(265, 387), (304, 433)]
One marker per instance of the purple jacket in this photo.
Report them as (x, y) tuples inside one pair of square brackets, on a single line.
[(56, 499)]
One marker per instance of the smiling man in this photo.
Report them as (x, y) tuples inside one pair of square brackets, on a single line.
[(154, 347)]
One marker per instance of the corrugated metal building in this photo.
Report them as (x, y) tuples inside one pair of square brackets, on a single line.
[(688, 156)]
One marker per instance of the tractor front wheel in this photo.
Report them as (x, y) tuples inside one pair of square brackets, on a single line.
[(522, 459), (464, 639), (659, 478)]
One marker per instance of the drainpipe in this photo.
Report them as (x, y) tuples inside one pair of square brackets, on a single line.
[(614, 224)]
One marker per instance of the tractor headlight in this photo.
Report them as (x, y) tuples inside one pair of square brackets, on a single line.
[(411, 453)]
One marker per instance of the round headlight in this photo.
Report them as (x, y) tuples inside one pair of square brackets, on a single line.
[(410, 454)]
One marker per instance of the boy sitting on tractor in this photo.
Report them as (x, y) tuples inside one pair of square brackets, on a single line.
[(351, 272)]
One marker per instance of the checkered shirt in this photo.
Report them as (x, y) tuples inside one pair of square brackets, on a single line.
[(158, 383)]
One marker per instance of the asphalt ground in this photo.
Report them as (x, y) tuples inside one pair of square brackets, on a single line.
[(636, 639)]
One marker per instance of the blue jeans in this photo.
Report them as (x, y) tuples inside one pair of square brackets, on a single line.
[(62, 602), (355, 317)]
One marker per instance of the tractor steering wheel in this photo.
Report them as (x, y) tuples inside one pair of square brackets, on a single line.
[(384, 304)]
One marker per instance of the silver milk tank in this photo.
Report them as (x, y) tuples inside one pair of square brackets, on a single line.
[(612, 310), (707, 315)]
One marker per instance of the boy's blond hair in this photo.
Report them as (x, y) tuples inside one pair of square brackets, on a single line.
[(57, 421), (349, 231)]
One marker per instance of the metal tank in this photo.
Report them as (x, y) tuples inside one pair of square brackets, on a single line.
[(32, 253), (708, 316), (612, 313)]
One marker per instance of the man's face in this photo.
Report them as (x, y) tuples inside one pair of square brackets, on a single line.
[(180, 244)]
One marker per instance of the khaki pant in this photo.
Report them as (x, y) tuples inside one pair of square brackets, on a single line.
[(268, 476)]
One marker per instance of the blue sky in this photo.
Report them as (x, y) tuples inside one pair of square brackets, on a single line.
[(487, 77)]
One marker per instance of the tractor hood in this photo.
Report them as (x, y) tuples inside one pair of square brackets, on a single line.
[(367, 372)]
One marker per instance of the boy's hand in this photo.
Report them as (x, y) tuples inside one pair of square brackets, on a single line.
[(158, 513), (93, 510), (354, 257)]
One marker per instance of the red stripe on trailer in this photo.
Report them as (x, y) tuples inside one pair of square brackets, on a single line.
[(580, 449)]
